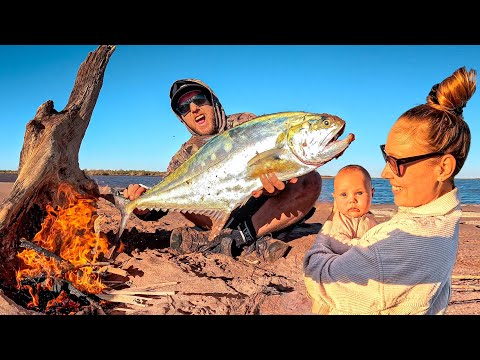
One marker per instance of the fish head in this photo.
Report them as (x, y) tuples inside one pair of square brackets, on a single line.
[(315, 139)]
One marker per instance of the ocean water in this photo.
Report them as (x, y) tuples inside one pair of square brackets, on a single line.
[(469, 188), (121, 181)]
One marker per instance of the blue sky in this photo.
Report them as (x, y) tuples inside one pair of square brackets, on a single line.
[(134, 128)]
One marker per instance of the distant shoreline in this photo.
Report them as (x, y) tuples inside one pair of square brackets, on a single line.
[(13, 173), (140, 173)]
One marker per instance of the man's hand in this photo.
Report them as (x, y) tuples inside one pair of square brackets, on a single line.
[(132, 192), (271, 185)]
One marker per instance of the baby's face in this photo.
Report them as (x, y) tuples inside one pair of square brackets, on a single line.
[(352, 193)]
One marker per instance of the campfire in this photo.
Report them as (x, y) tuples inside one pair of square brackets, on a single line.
[(61, 269), (65, 250)]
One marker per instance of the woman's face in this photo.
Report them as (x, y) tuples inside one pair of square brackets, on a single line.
[(418, 183)]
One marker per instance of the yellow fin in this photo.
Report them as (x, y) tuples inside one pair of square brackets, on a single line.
[(274, 160), (281, 139)]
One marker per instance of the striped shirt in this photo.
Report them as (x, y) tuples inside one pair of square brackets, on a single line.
[(401, 266)]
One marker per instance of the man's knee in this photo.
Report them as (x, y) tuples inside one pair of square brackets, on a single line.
[(316, 180), (311, 184)]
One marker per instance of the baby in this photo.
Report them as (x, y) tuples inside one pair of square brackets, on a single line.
[(350, 218)]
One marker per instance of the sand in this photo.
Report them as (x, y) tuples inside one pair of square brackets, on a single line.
[(218, 284), (5, 189)]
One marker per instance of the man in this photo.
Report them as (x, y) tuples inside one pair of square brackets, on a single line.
[(278, 206)]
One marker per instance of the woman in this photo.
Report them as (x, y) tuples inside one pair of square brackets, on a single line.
[(404, 265)]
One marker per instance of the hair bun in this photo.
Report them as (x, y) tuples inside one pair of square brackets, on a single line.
[(432, 95), (458, 110)]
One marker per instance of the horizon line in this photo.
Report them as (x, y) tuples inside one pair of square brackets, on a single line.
[(159, 173)]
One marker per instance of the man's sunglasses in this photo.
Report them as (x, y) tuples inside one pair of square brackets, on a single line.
[(398, 165), (199, 100)]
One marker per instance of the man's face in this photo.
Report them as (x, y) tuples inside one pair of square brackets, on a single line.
[(197, 112)]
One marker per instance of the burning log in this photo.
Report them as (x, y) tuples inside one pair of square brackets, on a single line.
[(66, 265), (62, 297), (30, 245), (49, 157), (93, 304)]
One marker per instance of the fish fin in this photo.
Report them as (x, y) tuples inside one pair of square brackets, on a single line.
[(218, 222), (207, 212), (219, 219), (281, 138), (274, 160)]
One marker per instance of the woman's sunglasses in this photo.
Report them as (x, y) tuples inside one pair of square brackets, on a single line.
[(199, 100), (398, 165)]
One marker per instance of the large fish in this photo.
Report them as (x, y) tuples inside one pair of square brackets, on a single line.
[(224, 172)]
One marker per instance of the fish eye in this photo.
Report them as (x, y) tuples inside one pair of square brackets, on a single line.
[(326, 122)]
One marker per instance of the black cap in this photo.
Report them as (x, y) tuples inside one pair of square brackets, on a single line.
[(181, 87)]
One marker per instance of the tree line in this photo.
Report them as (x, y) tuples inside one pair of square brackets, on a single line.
[(109, 172)]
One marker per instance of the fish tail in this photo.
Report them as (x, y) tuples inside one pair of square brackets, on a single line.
[(121, 204), (123, 223)]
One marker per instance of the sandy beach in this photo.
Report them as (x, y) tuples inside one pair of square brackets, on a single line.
[(218, 284), (5, 189)]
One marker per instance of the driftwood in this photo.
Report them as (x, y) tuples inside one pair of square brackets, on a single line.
[(133, 296), (49, 157), (126, 299), (113, 270), (466, 287), (466, 277), (133, 292)]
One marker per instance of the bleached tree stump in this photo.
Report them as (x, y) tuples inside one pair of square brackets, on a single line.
[(48, 158)]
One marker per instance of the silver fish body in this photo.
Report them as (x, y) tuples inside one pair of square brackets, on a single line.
[(224, 172)]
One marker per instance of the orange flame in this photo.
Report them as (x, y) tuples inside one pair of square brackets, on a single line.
[(67, 231)]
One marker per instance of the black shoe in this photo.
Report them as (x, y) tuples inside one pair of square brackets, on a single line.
[(266, 248), (187, 240)]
